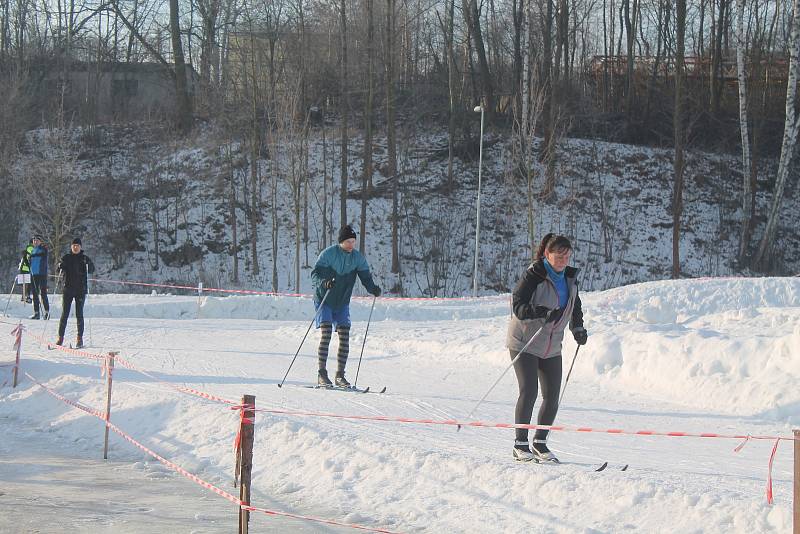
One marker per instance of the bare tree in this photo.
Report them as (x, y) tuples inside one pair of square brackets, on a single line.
[(184, 104), (366, 188), (255, 149), (791, 129), (472, 16), (233, 221), (67, 202), (679, 136), (748, 170), (391, 138), (345, 106)]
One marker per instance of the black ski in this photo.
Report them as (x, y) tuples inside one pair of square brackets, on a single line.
[(339, 388), (605, 465), (602, 467)]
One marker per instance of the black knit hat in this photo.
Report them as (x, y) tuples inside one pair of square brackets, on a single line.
[(346, 233), (77, 241)]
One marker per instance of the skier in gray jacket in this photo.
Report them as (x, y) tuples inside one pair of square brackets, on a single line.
[(545, 301)]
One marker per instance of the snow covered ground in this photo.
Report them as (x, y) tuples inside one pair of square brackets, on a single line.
[(715, 355)]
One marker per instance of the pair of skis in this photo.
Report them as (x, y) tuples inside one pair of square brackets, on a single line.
[(351, 389), (602, 467), (605, 465)]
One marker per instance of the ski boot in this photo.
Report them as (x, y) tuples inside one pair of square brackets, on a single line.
[(79, 343), (522, 453), (341, 381), (542, 453), (323, 380)]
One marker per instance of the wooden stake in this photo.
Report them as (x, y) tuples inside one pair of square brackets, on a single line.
[(109, 378), (797, 482), (247, 434), (15, 372)]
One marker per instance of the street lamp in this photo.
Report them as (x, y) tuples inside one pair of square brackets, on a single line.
[(478, 218)]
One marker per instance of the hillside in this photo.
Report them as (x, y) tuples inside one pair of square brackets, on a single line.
[(143, 188)]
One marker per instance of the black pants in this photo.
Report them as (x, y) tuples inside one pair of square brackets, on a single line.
[(66, 305), (531, 370), (39, 283)]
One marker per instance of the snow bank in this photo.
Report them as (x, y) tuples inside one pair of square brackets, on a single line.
[(693, 355), (731, 345)]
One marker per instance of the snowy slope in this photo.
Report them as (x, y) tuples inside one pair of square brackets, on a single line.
[(716, 355), (628, 188)]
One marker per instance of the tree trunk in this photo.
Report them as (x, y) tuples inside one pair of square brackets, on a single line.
[(679, 135), (234, 228), (255, 143), (184, 104), (630, 33), (518, 14), (391, 139), (325, 220), (549, 83), (716, 61), (452, 69), (791, 129), (366, 187), (345, 113), (275, 230), (748, 172), (473, 19)]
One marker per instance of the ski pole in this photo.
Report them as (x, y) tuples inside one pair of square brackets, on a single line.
[(319, 310), (13, 286), (47, 321), (569, 373), (365, 341), (520, 353)]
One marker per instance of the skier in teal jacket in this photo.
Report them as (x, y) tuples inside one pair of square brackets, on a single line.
[(335, 275)]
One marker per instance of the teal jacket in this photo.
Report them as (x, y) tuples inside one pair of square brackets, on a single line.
[(344, 267)]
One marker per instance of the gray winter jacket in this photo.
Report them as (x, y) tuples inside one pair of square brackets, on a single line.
[(536, 289)]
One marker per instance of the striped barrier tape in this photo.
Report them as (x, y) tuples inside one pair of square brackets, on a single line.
[(561, 428), (194, 478), (200, 289), (124, 363)]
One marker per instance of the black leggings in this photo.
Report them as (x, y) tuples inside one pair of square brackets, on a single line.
[(66, 304), (39, 284), (529, 368)]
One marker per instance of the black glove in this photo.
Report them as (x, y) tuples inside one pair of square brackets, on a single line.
[(328, 284), (376, 291), (540, 312), (581, 335), (554, 315)]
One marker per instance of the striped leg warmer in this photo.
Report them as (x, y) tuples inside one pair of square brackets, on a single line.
[(344, 348), (324, 342)]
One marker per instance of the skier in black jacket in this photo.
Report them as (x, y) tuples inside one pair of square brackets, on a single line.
[(545, 304), (75, 267)]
